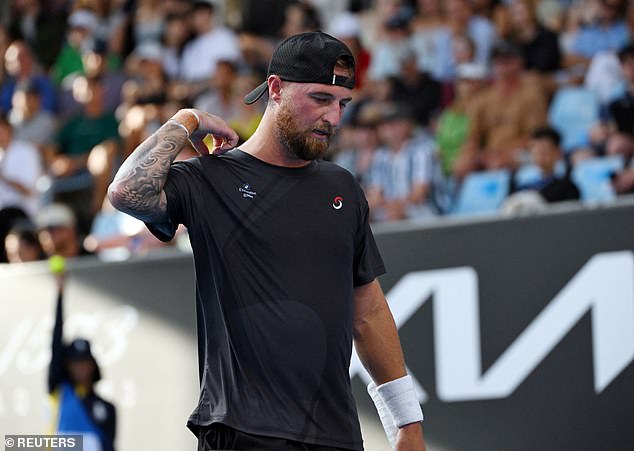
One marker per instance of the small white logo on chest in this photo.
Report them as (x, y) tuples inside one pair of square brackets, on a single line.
[(247, 191), (337, 203)]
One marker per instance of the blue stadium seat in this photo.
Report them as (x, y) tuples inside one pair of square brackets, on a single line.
[(593, 178), (108, 224), (482, 192), (529, 173), (573, 111)]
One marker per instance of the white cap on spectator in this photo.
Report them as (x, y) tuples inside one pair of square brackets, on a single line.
[(55, 215), (345, 25), (152, 51), (83, 18), (471, 71)]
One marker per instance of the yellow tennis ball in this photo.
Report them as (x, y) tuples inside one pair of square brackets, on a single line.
[(57, 264), (209, 141)]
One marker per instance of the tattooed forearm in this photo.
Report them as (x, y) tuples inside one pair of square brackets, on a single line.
[(137, 188)]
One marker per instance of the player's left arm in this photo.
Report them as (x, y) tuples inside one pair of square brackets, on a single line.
[(378, 346)]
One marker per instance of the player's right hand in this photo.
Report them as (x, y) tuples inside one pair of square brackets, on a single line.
[(223, 137)]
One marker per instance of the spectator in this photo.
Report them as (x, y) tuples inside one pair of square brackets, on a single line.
[(20, 168), (617, 130), (114, 29), (496, 12), (403, 168), (622, 145), (454, 121), (503, 117), (23, 71), (428, 26), (417, 88), (95, 65), (22, 245), (621, 109), (57, 231), (263, 18), (176, 34), (362, 143), (463, 50), (551, 13), (226, 98), (546, 154), (218, 99), (621, 141), (462, 21), (149, 22), (212, 43), (573, 21), (373, 21), (80, 39), (29, 120), (246, 118), (299, 17), (391, 49), (608, 32), (539, 45), (84, 152), (9, 218), (604, 76), (147, 80), (41, 25)]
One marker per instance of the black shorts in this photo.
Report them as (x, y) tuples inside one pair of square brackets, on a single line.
[(221, 437)]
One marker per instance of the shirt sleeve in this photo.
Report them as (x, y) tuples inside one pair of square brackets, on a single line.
[(368, 264), (178, 191), (422, 163)]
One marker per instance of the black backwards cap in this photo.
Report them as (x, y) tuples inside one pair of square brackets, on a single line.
[(307, 58)]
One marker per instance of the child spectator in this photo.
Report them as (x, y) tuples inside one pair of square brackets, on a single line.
[(546, 154)]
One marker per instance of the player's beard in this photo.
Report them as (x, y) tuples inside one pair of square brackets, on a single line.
[(295, 139)]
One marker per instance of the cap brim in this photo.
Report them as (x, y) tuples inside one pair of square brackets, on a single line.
[(254, 95)]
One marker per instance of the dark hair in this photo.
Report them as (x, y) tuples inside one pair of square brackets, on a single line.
[(620, 7), (310, 16), (203, 4), (548, 133), (229, 63), (25, 231), (626, 51)]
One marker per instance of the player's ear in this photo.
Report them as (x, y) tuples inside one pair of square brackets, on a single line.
[(275, 88)]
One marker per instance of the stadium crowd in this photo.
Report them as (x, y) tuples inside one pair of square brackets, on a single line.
[(461, 106)]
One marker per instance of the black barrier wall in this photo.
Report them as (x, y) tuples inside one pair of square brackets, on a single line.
[(520, 334), (544, 307)]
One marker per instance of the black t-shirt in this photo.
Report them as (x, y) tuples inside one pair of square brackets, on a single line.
[(278, 252), (622, 111)]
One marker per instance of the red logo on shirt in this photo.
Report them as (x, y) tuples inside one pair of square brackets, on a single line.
[(337, 203)]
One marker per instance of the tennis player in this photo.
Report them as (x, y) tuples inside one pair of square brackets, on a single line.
[(286, 264)]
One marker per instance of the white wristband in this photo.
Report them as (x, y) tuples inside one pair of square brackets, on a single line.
[(174, 121), (384, 415), (400, 399)]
